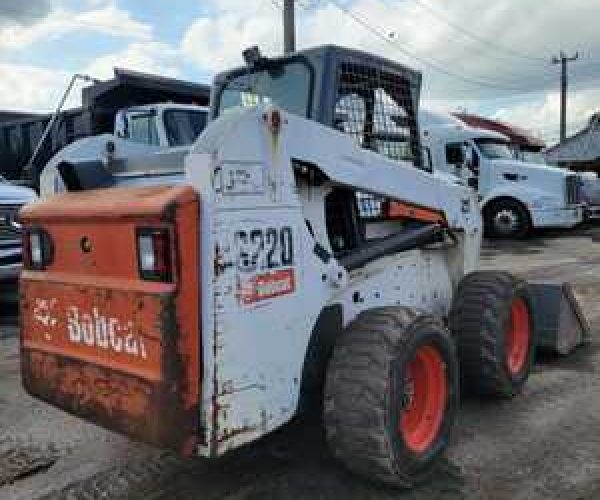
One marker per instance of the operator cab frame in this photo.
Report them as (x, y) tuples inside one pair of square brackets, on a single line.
[(370, 98)]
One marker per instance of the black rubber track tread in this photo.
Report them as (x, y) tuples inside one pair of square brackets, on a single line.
[(477, 321), (355, 391)]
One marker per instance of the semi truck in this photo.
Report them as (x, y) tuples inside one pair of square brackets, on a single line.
[(515, 196)]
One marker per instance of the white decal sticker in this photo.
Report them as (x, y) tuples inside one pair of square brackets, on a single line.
[(43, 310), (240, 179), (91, 329), (95, 329)]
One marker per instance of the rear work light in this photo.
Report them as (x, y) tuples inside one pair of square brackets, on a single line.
[(154, 254), (38, 250)]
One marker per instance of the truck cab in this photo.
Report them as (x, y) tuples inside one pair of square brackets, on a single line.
[(164, 125), (516, 196), (147, 147)]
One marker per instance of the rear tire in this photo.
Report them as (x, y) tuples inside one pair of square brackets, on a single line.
[(491, 320), (391, 395), (506, 218)]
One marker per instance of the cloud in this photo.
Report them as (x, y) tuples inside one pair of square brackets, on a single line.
[(23, 12), (542, 115), (32, 88), (215, 43), (518, 89), (24, 87), (29, 87), (149, 57), (107, 20), (420, 30)]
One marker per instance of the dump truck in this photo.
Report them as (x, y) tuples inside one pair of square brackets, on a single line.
[(305, 263), (23, 154)]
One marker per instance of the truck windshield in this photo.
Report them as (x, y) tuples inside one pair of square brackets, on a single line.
[(494, 149), (532, 157), (183, 126), (287, 86)]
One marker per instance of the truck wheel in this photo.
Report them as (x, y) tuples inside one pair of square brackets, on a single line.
[(391, 395), (506, 219), (492, 322)]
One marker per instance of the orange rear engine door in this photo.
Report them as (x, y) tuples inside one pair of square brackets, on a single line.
[(99, 339)]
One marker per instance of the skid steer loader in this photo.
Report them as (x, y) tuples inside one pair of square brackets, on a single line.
[(304, 261)]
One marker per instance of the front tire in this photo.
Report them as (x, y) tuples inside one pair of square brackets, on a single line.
[(391, 395), (507, 219), (492, 322)]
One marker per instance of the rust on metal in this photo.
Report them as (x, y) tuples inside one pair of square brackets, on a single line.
[(96, 339)]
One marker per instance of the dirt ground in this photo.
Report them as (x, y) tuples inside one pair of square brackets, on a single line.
[(543, 444)]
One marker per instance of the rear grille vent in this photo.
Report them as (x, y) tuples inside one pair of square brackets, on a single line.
[(571, 190), (8, 216)]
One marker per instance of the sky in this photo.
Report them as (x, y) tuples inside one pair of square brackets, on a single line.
[(491, 58)]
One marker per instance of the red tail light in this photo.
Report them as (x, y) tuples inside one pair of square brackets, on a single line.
[(38, 250), (154, 254)]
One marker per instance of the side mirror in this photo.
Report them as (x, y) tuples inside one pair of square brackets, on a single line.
[(121, 128), (426, 161), (467, 153)]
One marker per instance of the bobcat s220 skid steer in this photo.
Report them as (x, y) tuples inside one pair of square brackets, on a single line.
[(304, 261)]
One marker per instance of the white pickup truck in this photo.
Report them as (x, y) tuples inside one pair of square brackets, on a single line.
[(516, 196), (148, 145), (12, 198)]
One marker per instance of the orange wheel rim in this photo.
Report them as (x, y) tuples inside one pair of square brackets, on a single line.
[(518, 336), (425, 396)]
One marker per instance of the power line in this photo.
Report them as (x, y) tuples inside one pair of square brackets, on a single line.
[(474, 36), (435, 65)]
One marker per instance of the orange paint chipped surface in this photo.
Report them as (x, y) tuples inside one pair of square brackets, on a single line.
[(401, 210)]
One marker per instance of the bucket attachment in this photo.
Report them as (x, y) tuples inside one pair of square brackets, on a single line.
[(560, 323)]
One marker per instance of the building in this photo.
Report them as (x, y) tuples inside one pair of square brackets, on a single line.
[(581, 151)]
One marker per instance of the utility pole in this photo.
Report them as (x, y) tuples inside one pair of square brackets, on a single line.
[(563, 60), (289, 27)]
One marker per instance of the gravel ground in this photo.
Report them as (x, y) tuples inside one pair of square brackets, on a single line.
[(543, 444)]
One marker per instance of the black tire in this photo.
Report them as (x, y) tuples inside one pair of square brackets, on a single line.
[(365, 394), (507, 218), (481, 318)]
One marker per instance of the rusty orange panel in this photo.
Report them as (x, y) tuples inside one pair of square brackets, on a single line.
[(112, 204), (98, 341), (401, 210)]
